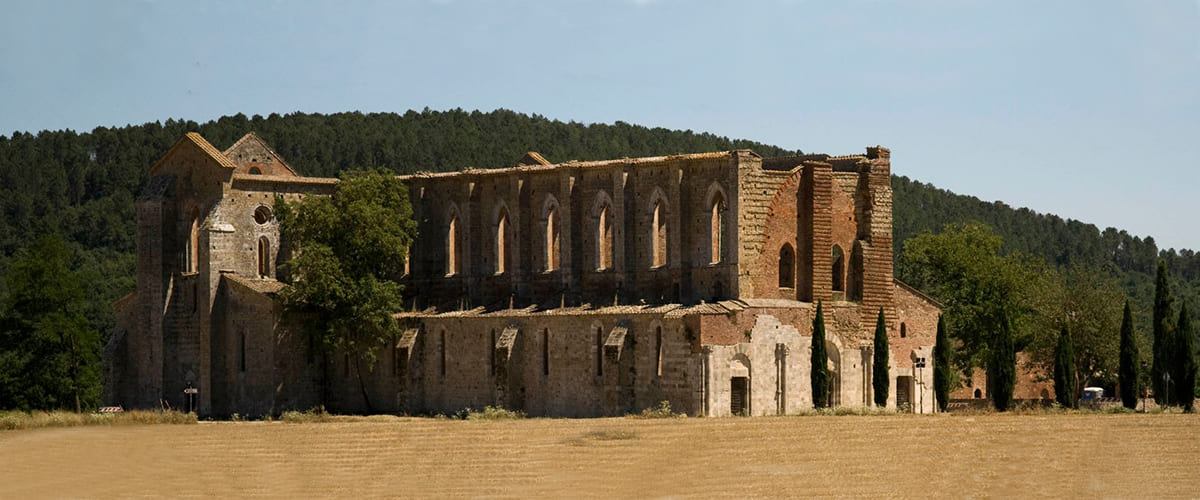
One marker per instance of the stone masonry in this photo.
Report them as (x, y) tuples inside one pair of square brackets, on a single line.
[(572, 289)]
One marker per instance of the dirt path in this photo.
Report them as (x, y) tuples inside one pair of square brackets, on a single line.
[(1126, 456)]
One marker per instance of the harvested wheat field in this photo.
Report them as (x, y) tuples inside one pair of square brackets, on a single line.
[(1148, 456)]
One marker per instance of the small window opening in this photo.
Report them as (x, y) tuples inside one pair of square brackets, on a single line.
[(545, 351), (903, 330), (452, 246), (262, 215), (717, 230), (658, 349), (492, 355), (502, 242), (191, 252), (552, 239), (787, 266), (264, 257), (442, 354), (604, 240), (599, 352), (839, 266), (255, 171), (659, 236)]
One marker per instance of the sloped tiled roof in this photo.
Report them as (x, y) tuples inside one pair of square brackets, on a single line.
[(408, 339), (533, 158), (917, 293), (265, 286), (194, 139)]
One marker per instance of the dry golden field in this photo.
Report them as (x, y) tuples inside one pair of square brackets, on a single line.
[(1112, 456)]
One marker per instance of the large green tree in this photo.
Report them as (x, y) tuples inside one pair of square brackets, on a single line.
[(944, 374), (1087, 303), (964, 269), (879, 374), (819, 372), (351, 249), (1161, 371), (1130, 369), (1185, 360), (49, 353), (1064, 370)]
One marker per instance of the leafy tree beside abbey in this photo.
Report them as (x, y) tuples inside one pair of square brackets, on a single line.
[(351, 248), (49, 353), (1066, 319)]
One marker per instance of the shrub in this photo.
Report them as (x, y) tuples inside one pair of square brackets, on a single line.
[(663, 410), (493, 413), (316, 414)]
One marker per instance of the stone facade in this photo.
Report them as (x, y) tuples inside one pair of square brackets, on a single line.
[(573, 289)]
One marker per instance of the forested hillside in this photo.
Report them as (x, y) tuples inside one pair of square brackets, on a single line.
[(82, 185)]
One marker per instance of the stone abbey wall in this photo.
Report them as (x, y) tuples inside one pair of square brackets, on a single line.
[(576, 289)]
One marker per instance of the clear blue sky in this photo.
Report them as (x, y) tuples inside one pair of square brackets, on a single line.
[(1089, 110)]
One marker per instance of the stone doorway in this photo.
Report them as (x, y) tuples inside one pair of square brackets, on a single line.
[(904, 393), (739, 396)]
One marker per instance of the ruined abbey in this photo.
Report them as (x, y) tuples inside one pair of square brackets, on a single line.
[(560, 289)]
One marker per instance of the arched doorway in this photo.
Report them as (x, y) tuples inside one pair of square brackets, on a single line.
[(835, 374), (739, 385)]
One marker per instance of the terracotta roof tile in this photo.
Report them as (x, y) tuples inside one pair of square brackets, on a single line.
[(199, 142), (266, 286)]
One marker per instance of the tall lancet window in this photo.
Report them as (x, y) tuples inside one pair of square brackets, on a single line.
[(659, 236), (552, 235), (264, 257), (191, 250), (717, 229), (604, 240), (452, 261), (502, 242), (787, 266)]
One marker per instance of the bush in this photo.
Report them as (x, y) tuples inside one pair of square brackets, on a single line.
[(493, 413), (316, 414), (663, 410)]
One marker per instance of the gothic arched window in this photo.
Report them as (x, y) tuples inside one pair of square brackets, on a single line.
[(787, 266)]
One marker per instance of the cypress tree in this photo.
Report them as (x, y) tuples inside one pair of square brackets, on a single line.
[(1185, 361), (1130, 359), (1162, 336), (1002, 365), (942, 372), (1064, 370), (879, 377), (819, 374)]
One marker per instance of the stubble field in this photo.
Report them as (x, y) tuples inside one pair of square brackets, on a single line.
[(1125, 456)]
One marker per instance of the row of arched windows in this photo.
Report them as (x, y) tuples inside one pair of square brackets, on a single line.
[(841, 281), (550, 235)]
